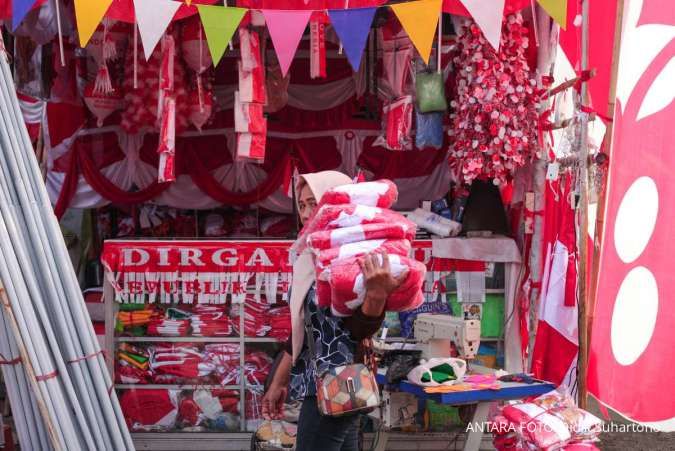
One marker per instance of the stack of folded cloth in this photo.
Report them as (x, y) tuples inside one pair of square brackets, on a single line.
[(208, 408), (175, 323), (150, 410), (354, 220), (229, 400), (168, 327), (551, 421), (179, 363), (225, 358), (132, 365), (257, 366), (256, 321), (130, 319), (210, 321), (280, 322)]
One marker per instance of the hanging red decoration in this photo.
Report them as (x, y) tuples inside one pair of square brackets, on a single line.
[(101, 103), (494, 117)]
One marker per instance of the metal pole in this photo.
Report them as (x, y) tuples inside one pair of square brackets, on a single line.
[(582, 363), (55, 245)]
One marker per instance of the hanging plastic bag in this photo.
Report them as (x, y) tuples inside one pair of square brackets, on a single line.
[(429, 131), (398, 123), (430, 92)]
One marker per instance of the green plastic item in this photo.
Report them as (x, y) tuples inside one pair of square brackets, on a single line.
[(442, 417), (492, 320), (440, 374), (430, 92), (139, 358), (131, 307)]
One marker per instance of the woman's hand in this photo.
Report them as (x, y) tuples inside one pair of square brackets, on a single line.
[(379, 282), (273, 402)]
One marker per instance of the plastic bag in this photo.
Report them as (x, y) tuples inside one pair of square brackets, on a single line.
[(397, 122), (429, 131), (400, 365), (430, 92)]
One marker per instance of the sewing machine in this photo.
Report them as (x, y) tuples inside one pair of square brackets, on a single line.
[(435, 333)]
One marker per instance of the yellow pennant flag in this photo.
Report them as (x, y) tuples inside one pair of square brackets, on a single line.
[(419, 19), (557, 9), (89, 14)]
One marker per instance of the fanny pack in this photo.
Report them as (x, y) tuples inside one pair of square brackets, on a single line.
[(345, 389)]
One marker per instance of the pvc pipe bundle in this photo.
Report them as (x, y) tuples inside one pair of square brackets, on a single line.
[(62, 371)]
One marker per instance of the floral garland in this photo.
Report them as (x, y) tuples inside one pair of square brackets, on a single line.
[(494, 116)]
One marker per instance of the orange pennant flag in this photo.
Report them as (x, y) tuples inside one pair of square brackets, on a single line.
[(419, 19), (89, 14)]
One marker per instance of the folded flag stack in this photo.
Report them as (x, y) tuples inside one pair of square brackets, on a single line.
[(178, 363), (280, 322), (210, 321), (551, 421), (256, 322), (354, 220)]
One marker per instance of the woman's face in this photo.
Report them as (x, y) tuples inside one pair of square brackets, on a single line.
[(306, 203)]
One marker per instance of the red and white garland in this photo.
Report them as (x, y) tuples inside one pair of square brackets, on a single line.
[(494, 116)]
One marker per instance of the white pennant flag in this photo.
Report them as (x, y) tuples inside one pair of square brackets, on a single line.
[(488, 16), (153, 17)]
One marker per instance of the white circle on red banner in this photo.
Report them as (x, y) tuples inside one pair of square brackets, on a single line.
[(634, 315), (636, 219)]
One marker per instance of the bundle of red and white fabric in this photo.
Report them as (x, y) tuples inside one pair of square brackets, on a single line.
[(126, 373), (189, 412), (225, 358), (249, 122), (210, 321), (150, 410), (354, 220), (280, 322), (176, 363), (256, 321), (168, 327), (549, 422)]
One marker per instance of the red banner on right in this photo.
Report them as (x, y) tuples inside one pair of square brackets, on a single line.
[(632, 352)]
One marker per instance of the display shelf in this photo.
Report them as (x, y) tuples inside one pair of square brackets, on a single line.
[(178, 387), (196, 340)]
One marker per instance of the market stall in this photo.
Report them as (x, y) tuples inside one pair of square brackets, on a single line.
[(172, 133), (184, 299)]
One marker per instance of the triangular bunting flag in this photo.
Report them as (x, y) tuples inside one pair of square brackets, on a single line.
[(153, 17), (419, 19), (19, 10), (488, 16), (89, 14), (219, 22), (286, 28), (352, 27), (557, 9)]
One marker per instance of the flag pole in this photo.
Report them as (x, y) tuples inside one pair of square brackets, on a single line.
[(582, 364), (602, 198)]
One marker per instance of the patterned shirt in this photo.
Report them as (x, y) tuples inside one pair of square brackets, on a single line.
[(334, 347)]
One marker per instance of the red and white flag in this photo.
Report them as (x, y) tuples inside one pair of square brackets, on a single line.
[(556, 346)]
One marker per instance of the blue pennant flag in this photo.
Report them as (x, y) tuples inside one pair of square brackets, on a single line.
[(352, 27), (19, 10)]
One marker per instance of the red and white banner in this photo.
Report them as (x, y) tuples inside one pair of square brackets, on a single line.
[(214, 272), (632, 350)]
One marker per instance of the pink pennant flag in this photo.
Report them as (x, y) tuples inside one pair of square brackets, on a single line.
[(286, 29), (488, 16)]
